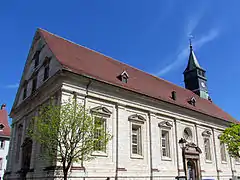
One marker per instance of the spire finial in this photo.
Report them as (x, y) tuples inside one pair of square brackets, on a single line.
[(190, 41)]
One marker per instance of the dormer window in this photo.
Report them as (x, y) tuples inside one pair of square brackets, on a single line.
[(36, 58), (192, 101), (1, 127), (123, 77)]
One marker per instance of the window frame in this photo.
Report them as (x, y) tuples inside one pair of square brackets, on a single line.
[(165, 125), (104, 113), (139, 143), (104, 120), (167, 144), (138, 121), (223, 152)]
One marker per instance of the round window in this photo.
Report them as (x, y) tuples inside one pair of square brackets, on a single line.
[(187, 134)]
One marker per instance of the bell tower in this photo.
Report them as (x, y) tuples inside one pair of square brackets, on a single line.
[(195, 76)]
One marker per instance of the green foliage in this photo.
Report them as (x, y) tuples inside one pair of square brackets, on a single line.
[(68, 132), (231, 137)]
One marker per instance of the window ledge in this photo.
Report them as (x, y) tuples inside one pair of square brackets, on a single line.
[(136, 156), (208, 161), (237, 163), (224, 162), (164, 158), (99, 153)]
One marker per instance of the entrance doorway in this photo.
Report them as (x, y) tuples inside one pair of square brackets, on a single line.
[(191, 169)]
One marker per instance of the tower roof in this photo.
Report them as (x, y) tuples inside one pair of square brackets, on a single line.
[(192, 61)]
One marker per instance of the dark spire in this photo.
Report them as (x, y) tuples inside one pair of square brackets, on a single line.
[(194, 76), (192, 60)]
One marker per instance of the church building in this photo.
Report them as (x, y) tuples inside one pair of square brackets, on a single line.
[(160, 130)]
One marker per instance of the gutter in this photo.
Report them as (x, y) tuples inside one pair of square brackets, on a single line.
[(116, 171), (150, 144), (215, 153)]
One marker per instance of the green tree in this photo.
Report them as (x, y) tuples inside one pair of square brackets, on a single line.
[(231, 137), (69, 133)]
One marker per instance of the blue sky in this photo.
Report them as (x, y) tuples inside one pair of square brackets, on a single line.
[(150, 35)]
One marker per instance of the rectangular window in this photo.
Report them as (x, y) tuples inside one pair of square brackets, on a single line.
[(136, 140), (2, 143), (1, 163), (46, 72), (34, 84), (165, 144), (99, 134), (36, 58), (24, 92), (223, 152), (207, 149)]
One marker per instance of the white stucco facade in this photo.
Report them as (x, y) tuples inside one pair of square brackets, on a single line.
[(3, 155)]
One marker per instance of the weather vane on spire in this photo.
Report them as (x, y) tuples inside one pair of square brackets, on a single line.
[(190, 40)]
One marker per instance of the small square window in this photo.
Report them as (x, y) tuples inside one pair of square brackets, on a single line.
[(124, 79)]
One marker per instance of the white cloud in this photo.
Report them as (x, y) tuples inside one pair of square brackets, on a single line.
[(182, 55), (12, 86)]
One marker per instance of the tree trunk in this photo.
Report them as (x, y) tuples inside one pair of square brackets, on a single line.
[(65, 174)]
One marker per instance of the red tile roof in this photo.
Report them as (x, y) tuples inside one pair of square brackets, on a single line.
[(4, 120), (84, 61)]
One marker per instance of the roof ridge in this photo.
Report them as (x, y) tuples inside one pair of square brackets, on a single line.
[(109, 58)]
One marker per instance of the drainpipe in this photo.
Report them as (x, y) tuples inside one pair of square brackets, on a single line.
[(215, 152), (176, 139), (116, 172), (150, 144), (84, 106)]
